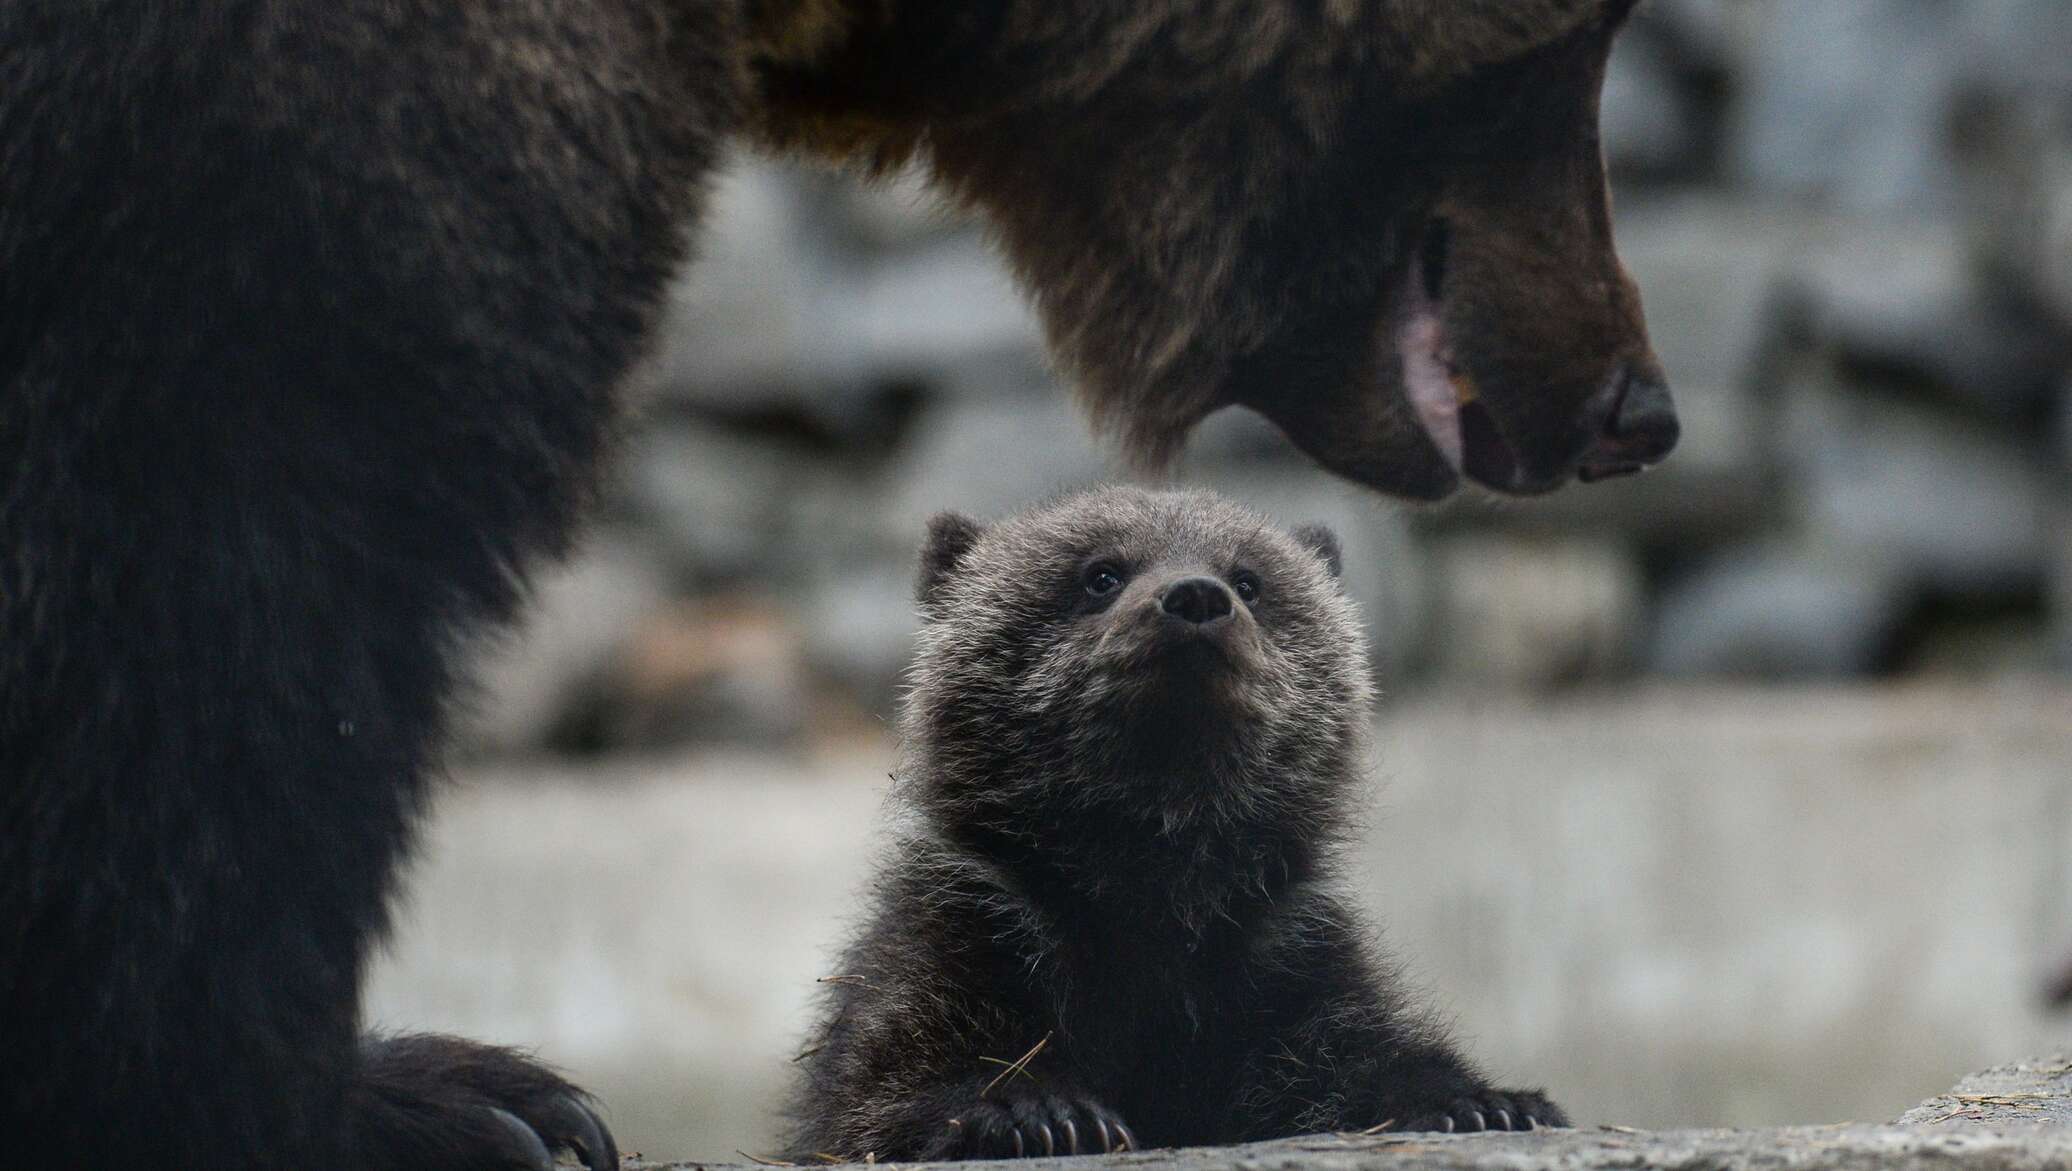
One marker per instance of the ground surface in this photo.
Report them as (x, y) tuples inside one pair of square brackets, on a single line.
[(2010, 1118)]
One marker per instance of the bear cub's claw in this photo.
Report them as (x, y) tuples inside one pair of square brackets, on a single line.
[(1513, 1110), (1034, 1124)]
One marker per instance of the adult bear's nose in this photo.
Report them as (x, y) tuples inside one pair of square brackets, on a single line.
[(1639, 425)]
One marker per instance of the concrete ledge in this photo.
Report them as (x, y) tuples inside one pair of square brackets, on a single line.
[(2010, 1118), (2032, 1093)]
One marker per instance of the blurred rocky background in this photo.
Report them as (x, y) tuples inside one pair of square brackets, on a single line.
[(1811, 794)]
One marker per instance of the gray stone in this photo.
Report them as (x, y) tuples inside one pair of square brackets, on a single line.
[(921, 313), (1777, 611), (2016, 47), (1867, 104), (717, 504), (2062, 419), (1845, 100), (607, 660), (2003, 647), (989, 458), (1645, 119), (1955, 508), (724, 669), (2051, 236), (746, 324), (2059, 598), (1909, 295), (1708, 34), (578, 623), (1533, 613), (1710, 271), (2026, 210), (778, 313), (858, 622)]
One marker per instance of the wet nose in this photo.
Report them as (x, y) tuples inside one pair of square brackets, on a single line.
[(1639, 427), (1200, 600)]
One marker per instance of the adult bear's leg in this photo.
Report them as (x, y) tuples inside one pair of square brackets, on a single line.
[(309, 319)]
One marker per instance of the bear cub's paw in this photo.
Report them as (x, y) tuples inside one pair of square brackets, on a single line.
[(1490, 1110), (1031, 1122), (433, 1101)]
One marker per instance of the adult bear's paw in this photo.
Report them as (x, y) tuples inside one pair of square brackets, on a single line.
[(423, 1100)]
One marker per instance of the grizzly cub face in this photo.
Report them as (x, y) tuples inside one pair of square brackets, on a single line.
[(1161, 657), (1381, 223)]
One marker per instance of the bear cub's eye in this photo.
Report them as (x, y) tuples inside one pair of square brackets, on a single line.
[(1102, 578), (1246, 583)]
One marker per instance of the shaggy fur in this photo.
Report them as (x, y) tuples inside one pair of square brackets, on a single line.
[(311, 315), (1120, 857)]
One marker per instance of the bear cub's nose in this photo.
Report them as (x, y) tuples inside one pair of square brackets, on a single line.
[(1200, 600)]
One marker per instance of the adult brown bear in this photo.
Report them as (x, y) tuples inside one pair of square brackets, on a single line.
[(311, 313)]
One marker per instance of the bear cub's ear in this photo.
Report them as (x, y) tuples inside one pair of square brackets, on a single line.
[(1324, 543), (950, 536)]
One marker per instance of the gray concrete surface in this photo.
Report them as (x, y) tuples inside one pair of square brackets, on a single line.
[(2009, 1118), (1674, 907), (2036, 1092)]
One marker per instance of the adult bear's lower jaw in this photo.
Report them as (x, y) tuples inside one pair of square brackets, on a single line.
[(1377, 443)]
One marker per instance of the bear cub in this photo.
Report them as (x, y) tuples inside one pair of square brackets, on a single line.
[(1112, 919)]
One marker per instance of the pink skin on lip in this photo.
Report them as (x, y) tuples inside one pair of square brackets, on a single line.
[(1427, 370)]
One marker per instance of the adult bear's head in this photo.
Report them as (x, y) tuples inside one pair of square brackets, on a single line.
[(1381, 223)]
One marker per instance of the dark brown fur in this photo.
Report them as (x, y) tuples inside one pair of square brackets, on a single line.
[(1219, 203), (1124, 819), (311, 315)]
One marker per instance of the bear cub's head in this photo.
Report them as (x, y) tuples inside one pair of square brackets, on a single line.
[(1163, 657)]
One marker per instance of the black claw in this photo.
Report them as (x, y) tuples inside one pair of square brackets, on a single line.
[(1531, 1122), (524, 1138), (1504, 1119), (571, 1120), (1049, 1127), (1481, 1123), (1448, 1128)]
